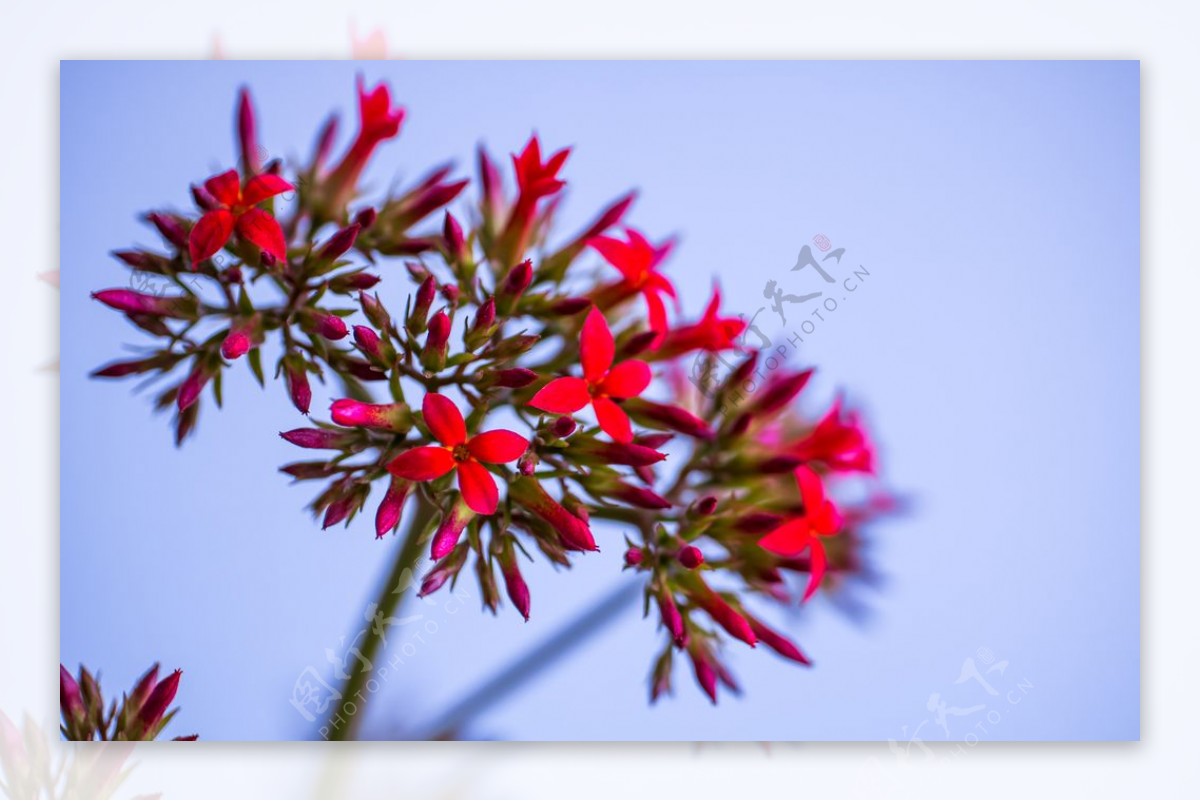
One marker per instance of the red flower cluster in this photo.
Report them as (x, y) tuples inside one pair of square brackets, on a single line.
[(499, 324), (142, 714)]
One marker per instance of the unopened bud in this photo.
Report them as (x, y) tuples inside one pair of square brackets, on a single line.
[(633, 557), (690, 557), (339, 243), (433, 355), (331, 326)]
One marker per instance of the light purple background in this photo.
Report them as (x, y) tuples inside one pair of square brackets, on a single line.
[(995, 347)]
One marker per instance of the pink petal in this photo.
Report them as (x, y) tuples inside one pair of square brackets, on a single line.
[(225, 188), (628, 379), (497, 446), (260, 228), (422, 464), (656, 314), (478, 488), (812, 491), (613, 420), (828, 520), (595, 346), (444, 420), (562, 396), (816, 557), (209, 235), (788, 539), (261, 187)]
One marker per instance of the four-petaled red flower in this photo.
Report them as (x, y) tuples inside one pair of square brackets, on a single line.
[(536, 179), (237, 209), (429, 462), (711, 333), (840, 443), (601, 382), (637, 260), (820, 519)]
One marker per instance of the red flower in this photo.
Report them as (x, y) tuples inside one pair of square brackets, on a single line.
[(838, 442), (377, 122), (237, 209), (637, 260), (820, 519), (712, 333), (429, 462), (536, 179), (601, 381)]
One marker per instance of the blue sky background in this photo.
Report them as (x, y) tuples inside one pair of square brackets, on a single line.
[(994, 346)]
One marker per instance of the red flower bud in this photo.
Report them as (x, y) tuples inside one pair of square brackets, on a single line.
[(777, 642), (421, 305), (236, 343), (451, 293), (706, 676), (563, 427), (514, 285), (302, 471), (130, 302), (705, 506), (570, 306), (386, 416), (718, 609), (667, 416), (433, 355), (444, 570), (70, 699), (368, 341), (671, 619), (170, 228), (691, 557), (156, 705), (141, 691), (247, 138), (331, 326), (452, 232), (515, 377), (451, 528), (779, 393), (365, 218), (298, 388), (387, 516), (514, 582), (639, 343), (485, 318), (203, 199), (122, 369), (318, 438), (574, 533), (627, 453), (527, 464), (192, 386), (267, 259), (339, 243), (633, 557)]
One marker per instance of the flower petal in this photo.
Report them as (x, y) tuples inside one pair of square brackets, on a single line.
[(816, 569), (613, 420), (788, 539), (209, 235), (595, 346), (618, 254), (656, 314), (261, 187), (263, 230), (628, 379), (422, 464), (812, 491), (562, 396), (444, 419), (225, 188), (497, 446), (478, 488), (827, 520)]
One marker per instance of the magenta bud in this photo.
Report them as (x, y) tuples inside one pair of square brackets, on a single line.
[(720, 611), (122, 369), (349, 282), (236, 343), (317, 438), (339, 243), (69, 697), (779, 393), (419, 313), (671, 619), (514, 584), (247, 138), (451, 528), (517, 280), (365, 218), (563, 427), (386, 416), (705, 506), (569, 306), (268, 260), (160, 698), (485, 318), (527, 464), (433, 355), (639, 343), (452, 232), (654, 441), (706, 676), (202, 198), (130, 302), (303, 471), (777, 642), (515, 377), (444, 570), (170, 228), (298, 388), (573, 532), (387, 517), (662, 415), (141, 690), (331, 326), (633, 557), (690, 557), (451, 293), (627, 453), (368, 341), (325, 139), (192, 386)]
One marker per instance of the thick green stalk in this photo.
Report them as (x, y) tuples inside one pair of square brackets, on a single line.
[(388, 602)]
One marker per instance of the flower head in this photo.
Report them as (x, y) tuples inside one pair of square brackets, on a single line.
[(839, 441), (712, 333), (458, 452), (236, 209), (819, 519), (637, 260), (601, 383)]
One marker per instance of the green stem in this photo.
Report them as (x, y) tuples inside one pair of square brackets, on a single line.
[(388, 602)]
